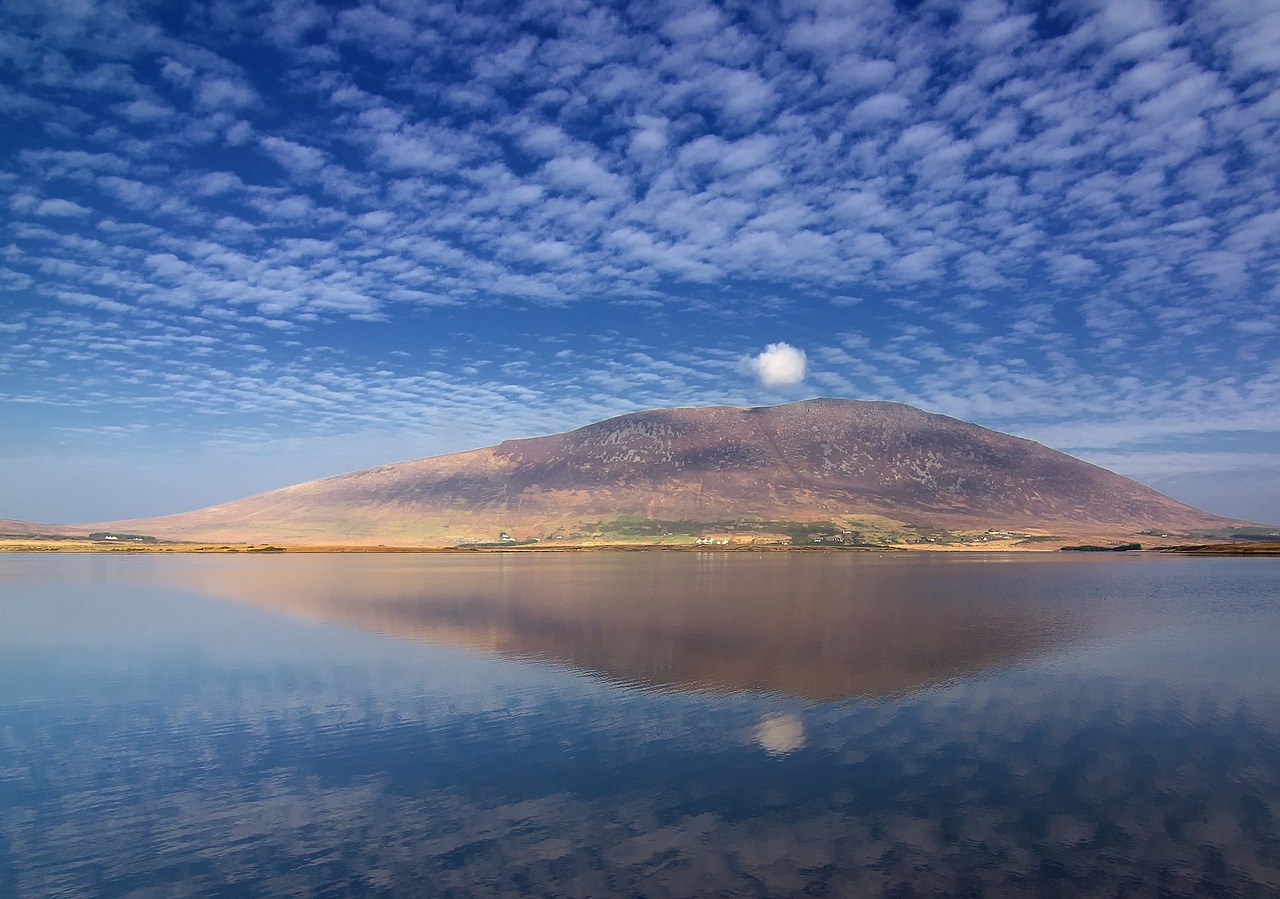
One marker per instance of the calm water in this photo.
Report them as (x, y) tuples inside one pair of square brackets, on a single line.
[(639, 724)]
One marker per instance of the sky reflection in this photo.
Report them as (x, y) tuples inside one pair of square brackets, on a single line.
[(181, 745)]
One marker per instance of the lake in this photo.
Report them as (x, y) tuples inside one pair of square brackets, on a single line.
[(639, 724)]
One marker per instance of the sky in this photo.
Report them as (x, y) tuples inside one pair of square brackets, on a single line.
[(248, 244)]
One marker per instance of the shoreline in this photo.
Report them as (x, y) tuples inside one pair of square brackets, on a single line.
[(74, 545)]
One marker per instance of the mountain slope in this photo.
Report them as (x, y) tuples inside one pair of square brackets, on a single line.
[(18, 527), (819, 459)]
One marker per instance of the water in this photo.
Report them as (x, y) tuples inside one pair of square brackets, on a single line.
[(651, 724)]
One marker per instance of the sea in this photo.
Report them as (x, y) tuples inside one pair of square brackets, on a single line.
[(639, 724)]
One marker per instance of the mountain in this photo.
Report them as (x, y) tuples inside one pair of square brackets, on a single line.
[(867, 466), (14, 527)]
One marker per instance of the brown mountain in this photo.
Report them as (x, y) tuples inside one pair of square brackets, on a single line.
[(838, 460), (16, 527)]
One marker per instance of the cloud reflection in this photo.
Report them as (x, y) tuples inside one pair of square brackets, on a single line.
[(780, 735)]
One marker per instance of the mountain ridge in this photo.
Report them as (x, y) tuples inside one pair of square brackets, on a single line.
[(822, 459)]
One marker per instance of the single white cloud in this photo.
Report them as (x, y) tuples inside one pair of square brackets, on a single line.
[(780, 365)]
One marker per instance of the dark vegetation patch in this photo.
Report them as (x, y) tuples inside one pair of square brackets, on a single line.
[(801, 533), (1258, 548), (1090, 548), (130, 538), (1256, 536), (1251, 534)]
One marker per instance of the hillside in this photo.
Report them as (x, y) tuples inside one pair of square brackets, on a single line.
[(862, 465), (18, 527)]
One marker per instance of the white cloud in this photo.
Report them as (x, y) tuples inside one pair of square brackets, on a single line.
[(61, 208), (144, 111), (294, 158), (880, 107), (970, 188), (224, 93), (780, 365), (217, 183), (651, 136), (582, 174)]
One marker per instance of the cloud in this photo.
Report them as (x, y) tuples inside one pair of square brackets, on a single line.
[(61, 208), (780, 365), (217, 183), (1045, 151), (582, 174), (292, 157), (881, 107), (224, 93), (144, 111)]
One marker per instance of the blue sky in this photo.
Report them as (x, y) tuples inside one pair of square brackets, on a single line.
[(247, 244)]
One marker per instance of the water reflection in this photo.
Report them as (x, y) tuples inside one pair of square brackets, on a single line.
[(780, 734), (814, 626), (156, 742)]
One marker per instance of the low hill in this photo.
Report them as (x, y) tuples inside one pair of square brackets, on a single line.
[(14, 527), (849, 464)]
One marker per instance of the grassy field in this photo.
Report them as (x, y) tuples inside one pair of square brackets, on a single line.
[(1235, 548), (841, 533), (594, 543)]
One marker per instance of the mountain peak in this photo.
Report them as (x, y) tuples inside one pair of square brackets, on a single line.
[(818, 459)]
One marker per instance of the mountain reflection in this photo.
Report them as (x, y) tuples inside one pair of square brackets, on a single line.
[(820, 627)]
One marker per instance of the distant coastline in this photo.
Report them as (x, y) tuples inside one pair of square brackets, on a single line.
[(1255, 548), (76, 545)]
